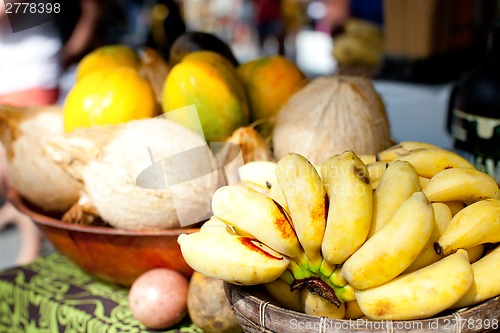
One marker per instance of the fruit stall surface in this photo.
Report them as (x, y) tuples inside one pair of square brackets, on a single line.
[(53, 295)]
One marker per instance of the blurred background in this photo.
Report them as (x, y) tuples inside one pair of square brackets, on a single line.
[(419, 41), (449, 35)]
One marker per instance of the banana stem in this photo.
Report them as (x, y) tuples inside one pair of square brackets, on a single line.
[(326, 268), (287, 277), (331, 286), (298, 271), (336, 278), (317, 283), (302, 261), (315, 263), (346, 293), (317, 286), (343, 292)]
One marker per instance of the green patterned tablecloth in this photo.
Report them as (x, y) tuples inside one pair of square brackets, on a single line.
[(54, 295)]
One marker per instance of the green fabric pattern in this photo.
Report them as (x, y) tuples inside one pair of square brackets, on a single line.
[(53, 295)]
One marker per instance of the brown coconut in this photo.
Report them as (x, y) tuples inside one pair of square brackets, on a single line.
[(330, 115)]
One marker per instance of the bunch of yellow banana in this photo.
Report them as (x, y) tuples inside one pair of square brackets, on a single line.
[(398, 235)]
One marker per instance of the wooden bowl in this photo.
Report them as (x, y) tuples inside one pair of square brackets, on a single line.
[(257, 313), (113, 255)]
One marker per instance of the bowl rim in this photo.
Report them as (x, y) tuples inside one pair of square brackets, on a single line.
[(50, 221)]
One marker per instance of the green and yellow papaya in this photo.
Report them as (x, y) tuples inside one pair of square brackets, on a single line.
[(210, 82)]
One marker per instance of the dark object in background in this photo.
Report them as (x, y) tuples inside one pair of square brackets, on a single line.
[(198, 40), (434, 41), (84, 25), (167, 24), (474, 112), (269, 23), (370, 10)]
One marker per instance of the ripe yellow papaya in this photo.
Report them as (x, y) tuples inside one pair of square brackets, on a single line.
[(210, 82), (109, 96), (269, 82), (107, 56)]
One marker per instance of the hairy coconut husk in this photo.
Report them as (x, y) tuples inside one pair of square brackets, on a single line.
[(330, 115), (113, 160), (252, 144), (24, 133), (73, 151), (83, 214)]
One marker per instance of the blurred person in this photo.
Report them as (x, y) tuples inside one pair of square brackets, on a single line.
[(30, 238), (167, 23), (79, 32), (31, 63), (4, 181), (294, 13), (269, 23), (337, 12), (33, 60)]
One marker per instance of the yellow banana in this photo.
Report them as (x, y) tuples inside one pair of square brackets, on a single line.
[(235, 259), (430, 161), (258, 175), (475, 252), (276, 194), (402, 148), (423, 182), (475, 224), (350, 208), (442, 216), (376, 170), (412, 145), (420, 294), (307, 203), (462, 184), (281, 292), (375, 184), (316, 305), (258, 215), (397, 184), (368, 158), (327, 170), (352, 310), (455, 206), (392, 249), (214, 224), (486, 282)]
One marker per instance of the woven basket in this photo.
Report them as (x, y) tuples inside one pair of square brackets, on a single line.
[(257, 314)]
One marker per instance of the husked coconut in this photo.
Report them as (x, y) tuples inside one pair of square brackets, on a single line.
[(143, 174), (24, 133), (330, 115)]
